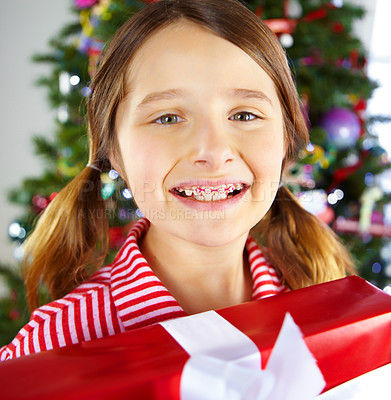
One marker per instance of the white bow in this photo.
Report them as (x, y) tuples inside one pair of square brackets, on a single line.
[(225, 364)]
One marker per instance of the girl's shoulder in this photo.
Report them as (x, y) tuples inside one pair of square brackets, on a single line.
[(84, 314)]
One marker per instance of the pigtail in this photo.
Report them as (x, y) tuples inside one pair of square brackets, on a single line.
[(70, 240), (300, 246)]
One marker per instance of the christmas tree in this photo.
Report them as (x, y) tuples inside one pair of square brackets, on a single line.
[(336, 176)]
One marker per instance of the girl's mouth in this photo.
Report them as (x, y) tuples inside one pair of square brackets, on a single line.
[(209, 193)]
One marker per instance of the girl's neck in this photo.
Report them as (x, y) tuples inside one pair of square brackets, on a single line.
[(199, 277)]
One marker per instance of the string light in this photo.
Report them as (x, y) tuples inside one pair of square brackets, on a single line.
[(127, 194), (369, 179), (86, 91), (310, 147), (332, 198), (335, 196), (339, 193), (64, 83), (376, 268), (74, 80), (338, 3), (18, 253), (113, 174), (63, 113), (16, 231)]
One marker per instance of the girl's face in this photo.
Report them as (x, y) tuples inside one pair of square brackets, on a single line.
[(200, 135)]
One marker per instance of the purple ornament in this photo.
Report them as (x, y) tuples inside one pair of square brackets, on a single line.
[(342, 127)]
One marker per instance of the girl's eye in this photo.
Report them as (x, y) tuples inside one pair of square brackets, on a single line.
[(169, 119), (243, 116)]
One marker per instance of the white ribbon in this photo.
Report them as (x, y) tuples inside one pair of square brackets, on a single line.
[(372, 385), (225, 364)]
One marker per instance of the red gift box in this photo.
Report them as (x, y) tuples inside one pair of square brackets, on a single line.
[(346, 325)]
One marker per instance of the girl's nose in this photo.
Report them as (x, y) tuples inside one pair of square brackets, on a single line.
[(212, 147)]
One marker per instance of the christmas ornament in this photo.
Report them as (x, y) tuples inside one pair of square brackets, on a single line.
[(377, 218), (39, 203), (368, 200), (294, 9), (341, 174), (84, 3), (52, 196), (298, 176), (108, 187), (117, 236), (68, 169), (286, 40), (107, 190), (315, 202), (315, 154), (342, 127)]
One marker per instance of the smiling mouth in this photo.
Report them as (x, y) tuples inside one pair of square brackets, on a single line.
[(209, 193)]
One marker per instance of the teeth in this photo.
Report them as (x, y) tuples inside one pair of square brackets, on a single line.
[(221, 190), (210, 193)]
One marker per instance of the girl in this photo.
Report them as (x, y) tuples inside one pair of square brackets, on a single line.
[(195, 106)]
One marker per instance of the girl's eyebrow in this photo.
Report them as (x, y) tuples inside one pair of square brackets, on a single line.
[(250, 94), (174, 93), (162, 95)]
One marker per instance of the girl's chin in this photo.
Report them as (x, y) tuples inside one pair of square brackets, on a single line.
[(210, 231)]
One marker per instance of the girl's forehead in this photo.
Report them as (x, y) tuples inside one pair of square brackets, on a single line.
[(185, 53)]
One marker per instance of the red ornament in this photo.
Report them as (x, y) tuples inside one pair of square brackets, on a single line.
[(327, 216), (39, 203), (259, 11), (337, 27), (281, 25), (14, 314), (315, 15), (341, 174), (53, 195), (117, 237)]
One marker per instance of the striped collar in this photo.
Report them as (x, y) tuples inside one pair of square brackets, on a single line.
[(140, 297)]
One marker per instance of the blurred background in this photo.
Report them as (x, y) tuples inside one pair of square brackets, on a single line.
[(343, 176)]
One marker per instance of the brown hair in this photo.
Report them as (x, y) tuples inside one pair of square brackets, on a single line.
[(71, 236)]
